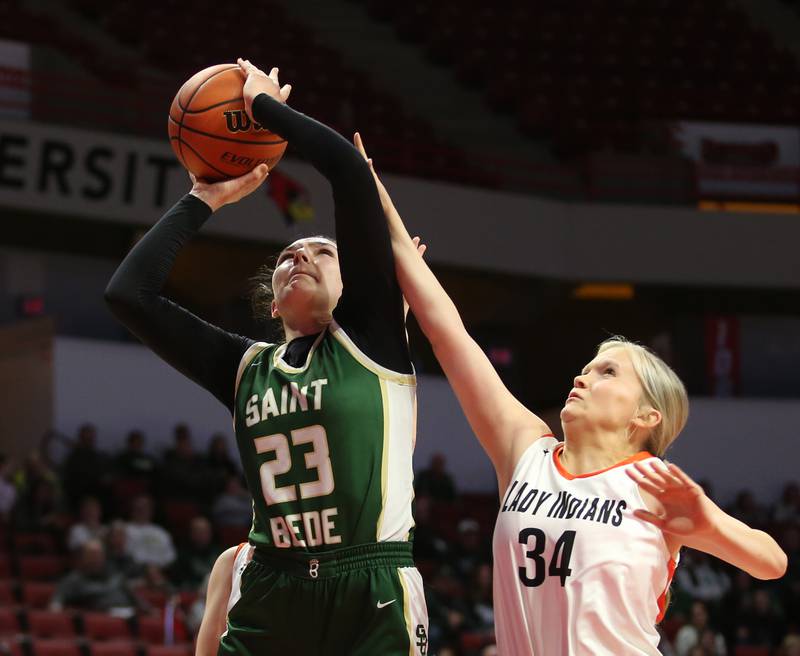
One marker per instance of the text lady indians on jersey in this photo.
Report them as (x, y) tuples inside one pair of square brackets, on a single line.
[(292, 398), (563, 506)]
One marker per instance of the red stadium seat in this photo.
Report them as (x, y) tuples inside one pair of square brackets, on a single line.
[(169, 650), (230, 535), (113, 648), (8, 596), (37, 595), (41, 568), (51, 624), (55, 647), (9, 622), (743, 650), (11, 646), (99, 626), (32, 543), (179, 514), (151, 629), (156, 598)]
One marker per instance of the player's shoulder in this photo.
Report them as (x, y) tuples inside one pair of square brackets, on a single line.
[(251, 355)]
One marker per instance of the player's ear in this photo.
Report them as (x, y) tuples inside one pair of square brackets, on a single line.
[(273, 308), (647, 417)]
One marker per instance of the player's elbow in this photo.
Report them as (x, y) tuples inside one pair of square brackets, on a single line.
[(774, 565), (113, 296), (779, 565)]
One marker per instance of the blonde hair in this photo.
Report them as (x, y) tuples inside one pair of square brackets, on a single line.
[(662, 390)]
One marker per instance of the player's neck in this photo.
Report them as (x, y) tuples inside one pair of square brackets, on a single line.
[(583, 454), (312, 325)]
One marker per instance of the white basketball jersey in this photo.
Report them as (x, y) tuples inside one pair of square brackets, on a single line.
[(244, 554), (575, 573)]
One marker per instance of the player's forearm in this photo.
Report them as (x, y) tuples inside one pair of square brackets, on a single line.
[(433, 308), (329, 152), (144, 271), (749, 549)]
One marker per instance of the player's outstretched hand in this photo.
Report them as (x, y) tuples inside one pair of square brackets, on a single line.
[(257, 82), (217, 194), (686, 510)]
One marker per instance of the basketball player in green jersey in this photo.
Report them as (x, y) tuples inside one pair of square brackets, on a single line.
[(325, 423)]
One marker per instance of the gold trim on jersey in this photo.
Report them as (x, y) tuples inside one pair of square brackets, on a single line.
[(285, 367), (407, 612), (387, 374), (384, 456), (252, 351)]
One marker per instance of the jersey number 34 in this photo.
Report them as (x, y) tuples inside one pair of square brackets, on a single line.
[(559, 562)]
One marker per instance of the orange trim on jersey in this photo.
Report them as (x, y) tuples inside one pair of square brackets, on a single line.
[(570, 477), (662, 600), (238, 549)]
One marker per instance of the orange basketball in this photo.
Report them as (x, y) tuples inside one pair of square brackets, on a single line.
[(210, 132)]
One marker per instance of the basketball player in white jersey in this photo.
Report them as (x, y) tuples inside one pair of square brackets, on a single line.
[(222, 593), (589, 530)]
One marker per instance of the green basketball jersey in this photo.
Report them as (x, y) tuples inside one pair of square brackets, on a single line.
[(326, 447)]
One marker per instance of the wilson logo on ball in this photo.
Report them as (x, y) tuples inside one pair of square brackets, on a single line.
[(239, 121), (210, 132)]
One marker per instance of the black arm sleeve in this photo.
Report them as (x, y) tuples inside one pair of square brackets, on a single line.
[(371, 306), (205, 353)]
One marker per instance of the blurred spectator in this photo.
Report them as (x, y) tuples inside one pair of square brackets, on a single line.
[(39, 508), (447, 611), (665, 647), (85, 471), (234, 507), (427, 544), (481, 607), (8, 493), (697, 632), (701, 577), (89, 526), (92, 585), (790, 584), (196, 558), (435, 481), (470, 551), (148, 543), (183, 475), (788, 508), (218, 459), (763, 625), (747, 510), (489, 650), (134, 462), (33, 471), (117, 554), (790, 645)]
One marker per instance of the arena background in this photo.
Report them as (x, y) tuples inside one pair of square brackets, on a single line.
[(578, 168)]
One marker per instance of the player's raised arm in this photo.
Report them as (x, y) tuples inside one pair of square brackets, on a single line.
[(502, 424), (371, 306), (199, 350), (686, 515)]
